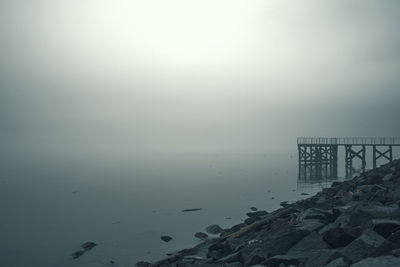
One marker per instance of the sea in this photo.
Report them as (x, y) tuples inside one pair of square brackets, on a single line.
[(50, 204)]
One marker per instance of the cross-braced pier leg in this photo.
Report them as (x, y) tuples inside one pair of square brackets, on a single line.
[(350, 155), (386, 154), (317, 161)]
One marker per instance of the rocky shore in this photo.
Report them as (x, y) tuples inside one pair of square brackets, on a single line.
[(352, 223)]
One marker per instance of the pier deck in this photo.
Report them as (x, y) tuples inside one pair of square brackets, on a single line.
[(318, 156)]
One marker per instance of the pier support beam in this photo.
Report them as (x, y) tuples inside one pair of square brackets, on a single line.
[(350, 155), (386, 154), (318, 161)]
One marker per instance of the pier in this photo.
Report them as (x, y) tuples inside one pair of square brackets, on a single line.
[(318, 156)]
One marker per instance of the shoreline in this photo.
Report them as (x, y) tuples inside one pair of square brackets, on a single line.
[(352, 223)]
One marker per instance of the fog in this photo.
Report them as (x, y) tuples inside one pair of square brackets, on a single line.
[(116, 115), (209, 76)]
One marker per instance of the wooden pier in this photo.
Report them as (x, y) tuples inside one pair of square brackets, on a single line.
[(318, 156)]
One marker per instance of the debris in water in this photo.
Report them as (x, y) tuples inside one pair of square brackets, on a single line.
[(166, 238), (86, 247), (191, 210)]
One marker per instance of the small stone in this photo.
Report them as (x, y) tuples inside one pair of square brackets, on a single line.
[(166, 238), (284, 204), (253, 208), (89, 245), (214, 229), (201, 235), (251, 220), (304, 194), (142, 264), (77, 254), (257, 213)]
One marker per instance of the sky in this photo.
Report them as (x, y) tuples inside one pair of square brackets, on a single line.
[(198, 76)]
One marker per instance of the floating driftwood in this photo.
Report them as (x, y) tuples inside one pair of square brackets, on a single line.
[(191, 210)]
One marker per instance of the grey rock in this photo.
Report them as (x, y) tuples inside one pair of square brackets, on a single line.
[(201, 235), (340, 262), (77, 254), (334, 235), (387, 177), (233, 264), (309, 243), (324, 216), (252, 219), (257, 213), (89, 245), (384, 261), (321, 257), (363, 246), (234, 257), (385, 227), (310, 225), (284, 203), (166, 238), (214, 229), (396, 252), (86, 247), (288, 259), (142, 264)]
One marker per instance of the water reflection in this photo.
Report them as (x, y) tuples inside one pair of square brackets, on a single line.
[(316, 175)]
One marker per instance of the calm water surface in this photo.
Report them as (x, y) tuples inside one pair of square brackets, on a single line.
[(51, 205)]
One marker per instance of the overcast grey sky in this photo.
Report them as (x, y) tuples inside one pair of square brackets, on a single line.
[(180, 75)]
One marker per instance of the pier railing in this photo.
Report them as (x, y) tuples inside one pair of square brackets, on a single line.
[(395, 141)]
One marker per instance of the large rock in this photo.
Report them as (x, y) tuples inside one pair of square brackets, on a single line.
[(336, 237), (324, 216), (280, 237), (288, 259), (310, 225), (321, 257), (310, 243), (385, 227), (384, 261), (340, 262), (363, 246)]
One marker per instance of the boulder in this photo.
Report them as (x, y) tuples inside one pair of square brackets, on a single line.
[(310, 243), (385, 227), (339, 262), (295, 258), (310, 225), (336, 237), (321, 257), (324, 216), (384, 261), (233, 264), (363, 246)]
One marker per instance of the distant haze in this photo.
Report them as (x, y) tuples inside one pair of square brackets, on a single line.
[(204, 76)]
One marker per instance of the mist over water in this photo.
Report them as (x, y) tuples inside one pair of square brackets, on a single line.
[(116, 115)]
